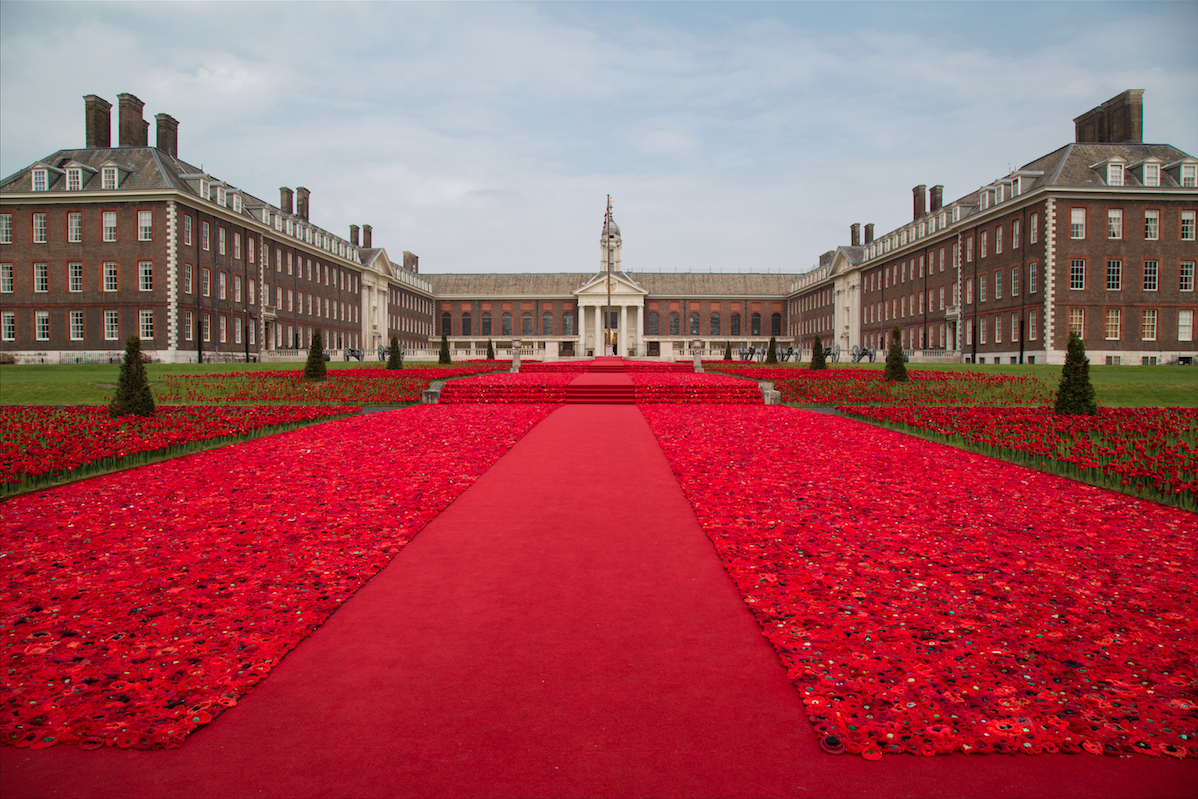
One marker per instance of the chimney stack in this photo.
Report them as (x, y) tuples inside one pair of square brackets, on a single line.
[(168, 134), (366, 230), (301, 202), (98, 121), (133, 129), (855, 234), (1119, 119), (869, 233), (937, 198), (411, 262), (285, 196), (353, 235), (919, 194)]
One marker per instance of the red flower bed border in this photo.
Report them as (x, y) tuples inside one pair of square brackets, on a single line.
[(136, 607), (42, 445), (930, 600)]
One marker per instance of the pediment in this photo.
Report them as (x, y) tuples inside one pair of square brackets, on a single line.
[(621, 285)]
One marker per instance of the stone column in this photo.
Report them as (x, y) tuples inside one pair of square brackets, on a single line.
[(640, 328), (580, 327), (622, 334)]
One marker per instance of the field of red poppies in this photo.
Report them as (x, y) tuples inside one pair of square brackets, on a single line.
[(923, 604), (136, 607), (536, 386), (359, 386), (40, 445), (1150, 452), (691, 388), (925, 387)]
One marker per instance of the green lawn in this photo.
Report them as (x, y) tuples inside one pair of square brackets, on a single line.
[(94, 384), (90, 384)]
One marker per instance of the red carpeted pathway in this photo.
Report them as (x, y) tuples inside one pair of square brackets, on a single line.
[(563, 629), (604, 383)]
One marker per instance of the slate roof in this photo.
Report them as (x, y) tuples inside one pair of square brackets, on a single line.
[(1071, 165), (149, 168), (563, 283)]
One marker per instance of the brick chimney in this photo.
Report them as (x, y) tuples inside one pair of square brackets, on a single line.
[(285, 195), (1119, 119), (366, 230), (98, 121), (130, 123), (301, 202), (855, 234), (869, 233), (937, 198), (168, 134), (919, 195), (353, 235), (411, 262)]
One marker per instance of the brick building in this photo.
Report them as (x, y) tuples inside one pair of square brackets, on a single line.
[(100, 242)]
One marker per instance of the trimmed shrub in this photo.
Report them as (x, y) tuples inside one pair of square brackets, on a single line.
[(443, 357), (817, 355), (896, 367), (728, 351), (315, 368), (1075, 394), (133, 396), (394, 359), (490, 350), (771, 355)]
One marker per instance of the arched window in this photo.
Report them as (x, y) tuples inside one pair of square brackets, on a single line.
[(526, 324), (735, 329), (467, 327), (694, 323), (568, 323), (715, 324), (653, 322), (505, 322), (447, 324), (755, 323), (547, 324), (486, 320), (776, 325), (674, 323)]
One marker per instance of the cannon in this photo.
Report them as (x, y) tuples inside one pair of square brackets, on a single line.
[(350, 352)]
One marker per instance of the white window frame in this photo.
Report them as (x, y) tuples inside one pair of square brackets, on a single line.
[(40, 228), (1114, 174), (1185, 276), (1188, 219), (76, 325), (6, 278), (145, 225), (40, 180), (74, 179), (1114, 274), (41, 278), (41, 325), (112, 325), (5, 228), (145, 275), (1148, 324), (75, 277), (1185, 324), (1077, 223), (145, 324), (1077, 321), (1152, 275), (8, 326), (1152, 174), (1152, 225), (1077, 274), (1033, 228), (75, 227), (108, 224), (1114, 223), (111, 276), (108, 178), (1112, 322)]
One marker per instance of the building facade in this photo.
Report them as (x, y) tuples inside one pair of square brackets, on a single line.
[(1097, 238)]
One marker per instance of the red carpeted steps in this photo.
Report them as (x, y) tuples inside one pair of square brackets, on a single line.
[(604, 383)]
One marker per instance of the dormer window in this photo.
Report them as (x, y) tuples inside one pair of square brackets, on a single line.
[(220, 196), (41, 180), (1189, 175), (279, 222), (74, 179), (1016, 187), (943, 221), (1152, 174), (204, 189), (920, 232), (956, 213), (985, 200), (1114, 174), (108, 177), (290, 228), (236, 203)]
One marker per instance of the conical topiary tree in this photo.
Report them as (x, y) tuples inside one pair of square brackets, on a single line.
[(1075, 394), (490, 350), (394, 359), (315, 368), (771, 354), (896, 368), (133, 396), (817, 355), (443, 357), (728, 351)]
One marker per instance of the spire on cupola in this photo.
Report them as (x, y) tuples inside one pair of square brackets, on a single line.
[(609, 242)]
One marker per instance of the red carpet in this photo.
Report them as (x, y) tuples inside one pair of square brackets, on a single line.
[(606, 385), (563, 629)]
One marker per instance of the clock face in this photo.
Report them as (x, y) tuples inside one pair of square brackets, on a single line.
[(611, 284)]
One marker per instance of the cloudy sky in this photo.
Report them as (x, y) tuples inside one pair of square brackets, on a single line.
[(486, 136)]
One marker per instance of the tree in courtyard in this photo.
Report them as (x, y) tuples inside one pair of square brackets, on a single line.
[(1075, 394), (394, 359), (133, 397), (728, 351), (817, 355), (444, 356), (490, 350), (896, 368), (315, 368), (771, 355)]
